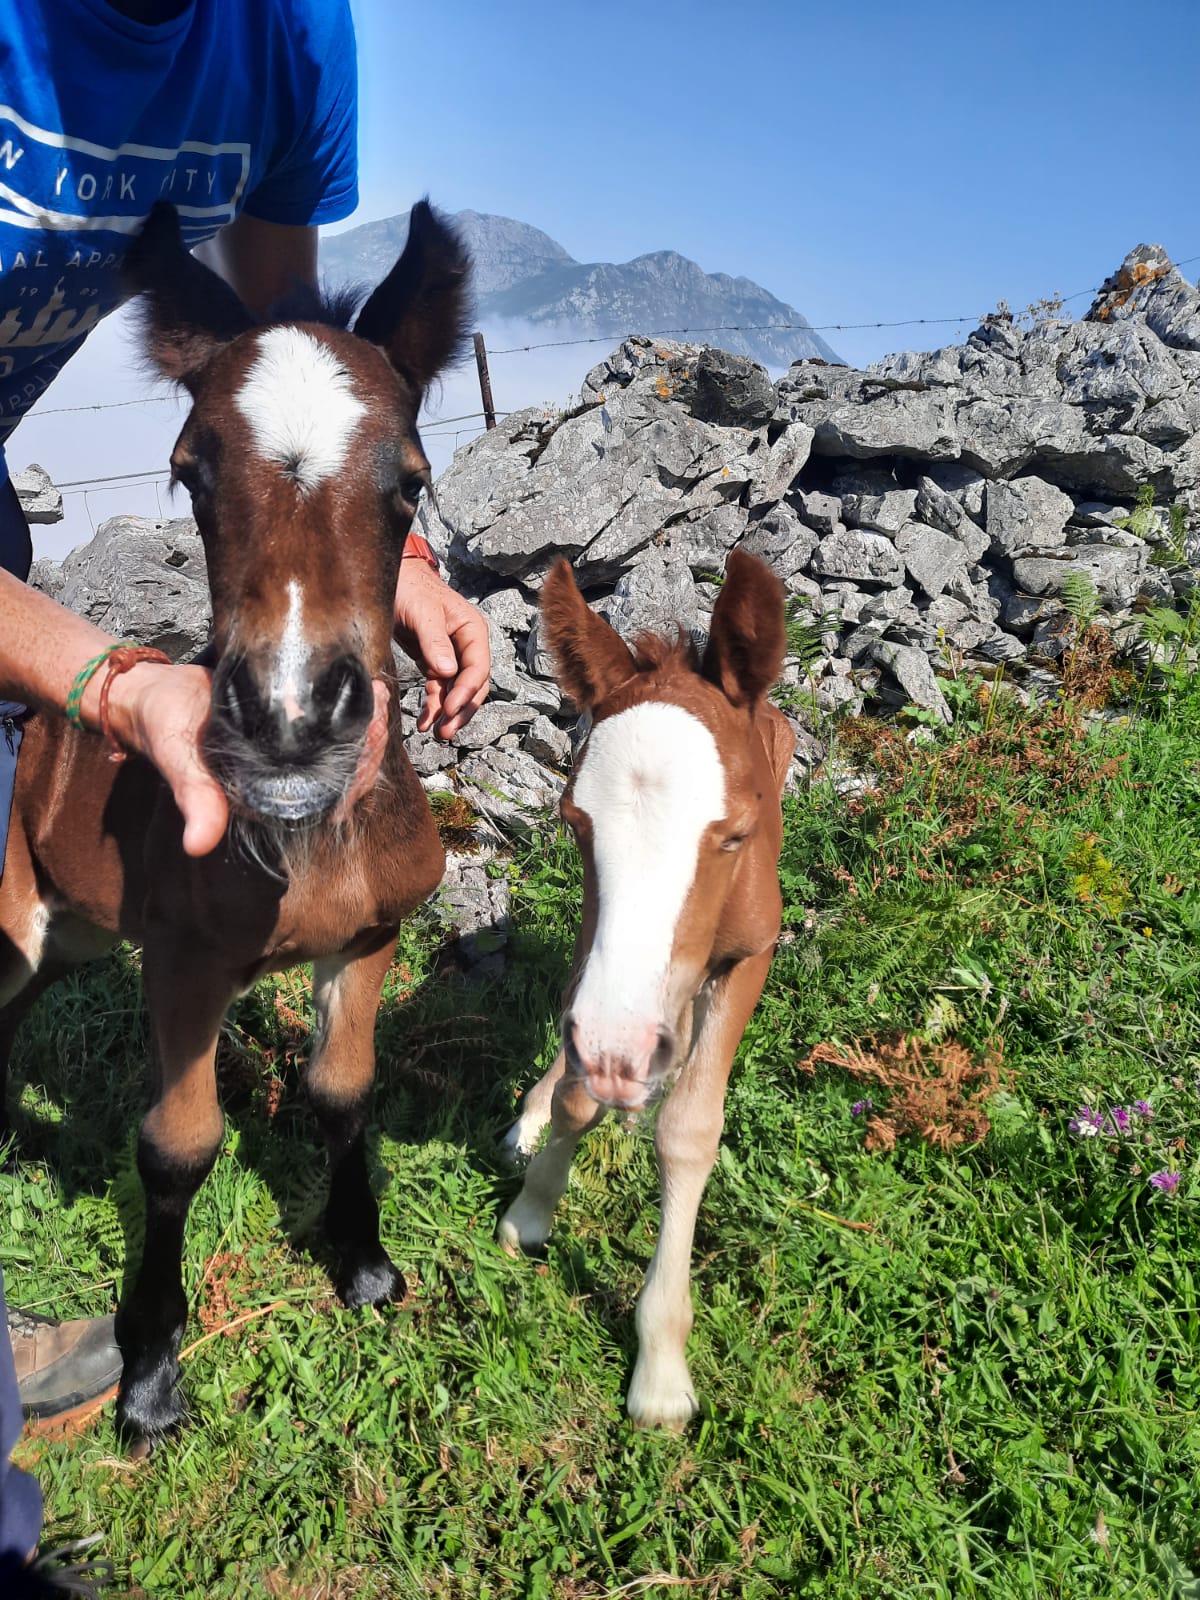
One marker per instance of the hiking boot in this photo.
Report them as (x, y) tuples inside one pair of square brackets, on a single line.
[(63, 1366)]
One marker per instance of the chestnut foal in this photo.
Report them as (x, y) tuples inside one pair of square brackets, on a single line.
[(675, 806), (304, 465)]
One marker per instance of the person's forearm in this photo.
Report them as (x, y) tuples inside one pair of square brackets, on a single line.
[(261, 261), (43, 648)]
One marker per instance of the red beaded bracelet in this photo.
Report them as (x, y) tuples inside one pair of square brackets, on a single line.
[(417, 548)]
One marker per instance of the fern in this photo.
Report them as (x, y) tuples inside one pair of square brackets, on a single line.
[(805, 628), (1081, 600), (1147, 524)]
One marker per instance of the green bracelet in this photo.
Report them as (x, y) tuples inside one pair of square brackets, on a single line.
[(83, 678)]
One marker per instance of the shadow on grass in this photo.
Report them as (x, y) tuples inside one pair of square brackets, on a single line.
[(453, 1057)]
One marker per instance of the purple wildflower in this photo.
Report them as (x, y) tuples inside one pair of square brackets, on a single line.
[(1086, 1123), (860, 1107), (1144, 1110), (1168, 1182), (1119, 1117)]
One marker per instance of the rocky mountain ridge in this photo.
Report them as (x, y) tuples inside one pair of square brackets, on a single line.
[(522, 275)]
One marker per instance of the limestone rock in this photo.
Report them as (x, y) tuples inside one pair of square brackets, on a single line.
[(930, 557), (854, 555), (893, 425), (1114, 572), (1026, 514), (509, 787), (142, 580), (656, 596), (880, 513), (912, 671), (782, 540), (40, 500), (729, 390)]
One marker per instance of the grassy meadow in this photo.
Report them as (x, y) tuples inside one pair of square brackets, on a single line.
[(948, 1304)]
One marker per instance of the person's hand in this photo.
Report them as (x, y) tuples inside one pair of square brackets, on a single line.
[(448, 639), (160, 712)]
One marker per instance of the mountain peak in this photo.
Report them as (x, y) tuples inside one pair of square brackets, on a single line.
[(521, 274)]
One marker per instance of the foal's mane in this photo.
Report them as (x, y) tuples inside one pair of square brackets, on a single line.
[(329, 306), (655, 652)]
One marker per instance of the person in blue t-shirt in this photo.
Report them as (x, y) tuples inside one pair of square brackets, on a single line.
[(244, 116)]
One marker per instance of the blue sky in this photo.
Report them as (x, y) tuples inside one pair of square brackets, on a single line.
[(867, 162)]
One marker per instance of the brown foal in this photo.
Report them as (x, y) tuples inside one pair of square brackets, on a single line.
[(675, 805), (304, 465)]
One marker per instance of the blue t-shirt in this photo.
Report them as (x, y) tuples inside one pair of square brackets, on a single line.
[(234, 105)]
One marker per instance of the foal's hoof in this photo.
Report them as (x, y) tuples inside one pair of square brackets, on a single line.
[(369, 1282), (149, 1407), (662, 1398), (525, 1227)]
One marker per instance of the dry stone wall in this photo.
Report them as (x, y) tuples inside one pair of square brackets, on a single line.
[(931, 509)]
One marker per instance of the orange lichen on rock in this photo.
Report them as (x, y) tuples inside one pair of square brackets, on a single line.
[(1127, 280)]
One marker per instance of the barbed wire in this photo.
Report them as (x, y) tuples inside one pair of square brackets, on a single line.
[(789, 327), (441, 427), (107, 405)]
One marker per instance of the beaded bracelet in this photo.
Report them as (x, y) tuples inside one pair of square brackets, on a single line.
[(118, 658)]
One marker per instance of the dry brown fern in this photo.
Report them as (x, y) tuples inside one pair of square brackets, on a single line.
[(937, 1091)]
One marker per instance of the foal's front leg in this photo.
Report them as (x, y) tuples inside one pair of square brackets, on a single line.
[(340, 1074), (687, 1139), (573, 1112), (522, 1138), (187, 996)]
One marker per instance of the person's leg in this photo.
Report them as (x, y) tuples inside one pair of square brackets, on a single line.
[(20, 1497), (58, 1366)]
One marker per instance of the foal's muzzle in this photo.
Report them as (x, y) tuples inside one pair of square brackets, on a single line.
[(288, 755), (629, 1074)]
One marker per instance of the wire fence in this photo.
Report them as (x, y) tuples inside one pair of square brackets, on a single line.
[(441, 427)]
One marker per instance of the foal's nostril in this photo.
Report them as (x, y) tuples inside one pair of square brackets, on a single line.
[(236, 699), (343, 697), (570, 1042), (664, 1050)]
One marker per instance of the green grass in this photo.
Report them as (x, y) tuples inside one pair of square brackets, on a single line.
[(991, 1389)]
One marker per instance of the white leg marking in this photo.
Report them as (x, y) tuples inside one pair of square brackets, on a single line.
[(687, 1137), (521, 1140), (527, 1222), (300, 403), (661, 1393)]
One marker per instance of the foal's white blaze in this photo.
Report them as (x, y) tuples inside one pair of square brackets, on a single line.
[(290, 671), (651, 782), (300, 403)]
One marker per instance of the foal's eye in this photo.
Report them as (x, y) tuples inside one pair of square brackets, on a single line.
[(411, 490), (192, 474), (735, 841)]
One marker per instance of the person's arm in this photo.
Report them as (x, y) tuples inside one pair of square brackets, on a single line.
[(261, 261), (156, 710)]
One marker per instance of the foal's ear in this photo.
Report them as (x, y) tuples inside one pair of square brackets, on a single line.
[(188, 311), (419, 313), (591, 656), (748, 637)]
